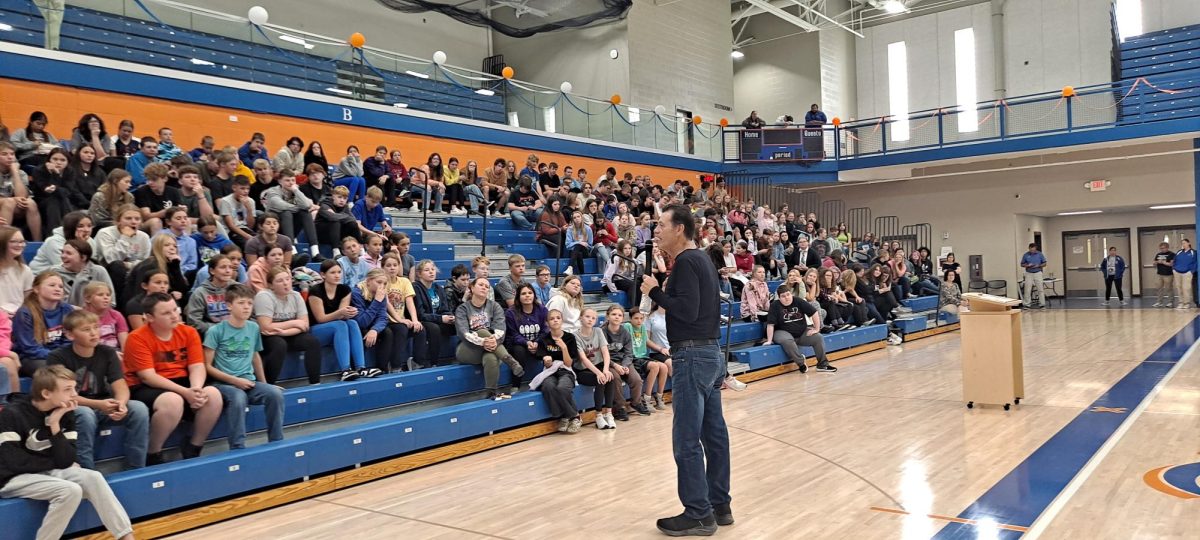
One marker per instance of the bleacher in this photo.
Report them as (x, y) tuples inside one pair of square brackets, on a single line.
[(1170, 60), (338, 426), (108, 35)]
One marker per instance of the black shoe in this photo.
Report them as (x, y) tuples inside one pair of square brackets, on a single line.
[(641, 409), (318, 258), (723, 513), (349, 375), (188, 450), (826, 368), (620, 414), (803, 367), (370, 373), (155, 459), (684, 526)]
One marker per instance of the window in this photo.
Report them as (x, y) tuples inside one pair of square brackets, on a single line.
[(514, 120), (1129, 18), (898, 90), (635, 115), (548, 118), (964, 80)]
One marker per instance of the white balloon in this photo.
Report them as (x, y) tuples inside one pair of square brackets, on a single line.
[(439, 58), (258, 15), (566, 87), (659, 109)]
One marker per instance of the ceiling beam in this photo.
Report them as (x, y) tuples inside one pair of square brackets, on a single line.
[(752, 10), (778, 11), (823, 16)]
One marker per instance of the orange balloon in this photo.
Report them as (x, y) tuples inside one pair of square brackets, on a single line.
[(357, 40), (1068, 91), (508, 72), (696, 120), (837, 121), (615, 99), (724, 122)]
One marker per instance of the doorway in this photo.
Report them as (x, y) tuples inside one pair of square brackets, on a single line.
[(1082, 253), (1148, 240)]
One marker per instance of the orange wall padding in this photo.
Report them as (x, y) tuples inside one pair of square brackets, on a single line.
[(65, 105)]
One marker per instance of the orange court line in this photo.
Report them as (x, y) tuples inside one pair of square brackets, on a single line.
[(1004, 526)]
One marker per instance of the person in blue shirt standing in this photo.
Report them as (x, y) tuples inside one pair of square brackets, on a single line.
[(814, 117), (1185, 266), (1113, 268), (1033, 261)]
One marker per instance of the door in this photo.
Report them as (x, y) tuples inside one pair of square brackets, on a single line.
[(1148, 240), (1082, 253)]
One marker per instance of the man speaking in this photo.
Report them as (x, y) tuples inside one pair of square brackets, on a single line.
[(698, 433)]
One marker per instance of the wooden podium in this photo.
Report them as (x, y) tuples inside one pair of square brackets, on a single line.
[(992, 365)]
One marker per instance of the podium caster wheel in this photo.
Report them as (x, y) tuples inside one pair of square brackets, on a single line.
[(970, 404), (1017, 401), (1006, 406)]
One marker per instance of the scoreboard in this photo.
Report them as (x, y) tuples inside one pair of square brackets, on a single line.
[(783, 144)]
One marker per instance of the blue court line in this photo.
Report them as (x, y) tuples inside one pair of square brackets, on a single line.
[(1021, 496)]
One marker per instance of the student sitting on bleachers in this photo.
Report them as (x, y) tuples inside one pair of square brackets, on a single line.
[(403, 320), (606, 240), (137, 163), (121, 246), (951, 295), (879, 277), (596, 369), (196, 198), (156, 282), (206, 307), (8, 360), (848, 286), (335, 221), (155, 197), (331, 319), (233, 362), (232, 252), (525, 327), (755, 296), (103, 393), (354, 267), (541, 284), (164, 366), (579, 242), (176, 224), (369, 213), (268, 236), (651, 371), (349, 173), (48, 186), (283, 319), (237, 211), (38, 325), (557, 386), (98, 300), (370, 300), (524, 206), (788, 326), (455, 192), (923, 282), (375, 169), (569, 301), (294, 210), (400, 244), (316, 186), (164, 257), (254, 149), (77, 270), (289, 158), (551, 227), (430, 183), (506, 289), (373, 250), (481, 325), (109, 198), (38, 454), (435, 313), (457, 288), (209, 241), (624, 273), (15, 200), (620, 354)]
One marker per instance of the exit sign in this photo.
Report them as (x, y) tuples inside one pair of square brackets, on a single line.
[(1097, 185)]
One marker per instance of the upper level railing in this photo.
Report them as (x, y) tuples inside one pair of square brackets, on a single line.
[(189, 38)]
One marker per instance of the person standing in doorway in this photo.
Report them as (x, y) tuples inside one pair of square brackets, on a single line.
[(1184, 266), (1033, 262), (1113, 267), (698, 434), (1164, 262)]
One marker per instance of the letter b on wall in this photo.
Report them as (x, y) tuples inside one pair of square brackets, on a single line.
[(347, 115)]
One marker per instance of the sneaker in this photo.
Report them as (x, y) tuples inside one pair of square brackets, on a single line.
[(155, 459), (723, 514), (684, 526), (641, 409), (563, 423), (844, 327), (1104, 303), (803, 365), (403, 194), (870, 322), (658, 402), (1123, 302), (188, 450), (612, 423), (505, 395), (648, 400), (620, 414), (601, 421), (1157, 304), (574, 425), (318, 258), (734, 384), (826, 368), (515, 367), (370, 373), (568, 271), (1167, 305), (493, 395), (349, 375)]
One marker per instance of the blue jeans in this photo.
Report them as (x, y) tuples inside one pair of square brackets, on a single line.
[(698, 433), (424, 193), (267, 395), (346, 339), (356, 184), (522, 221), (474, 196), (88, 422)]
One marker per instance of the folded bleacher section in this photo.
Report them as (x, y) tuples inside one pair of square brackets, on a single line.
[(1170, 60)]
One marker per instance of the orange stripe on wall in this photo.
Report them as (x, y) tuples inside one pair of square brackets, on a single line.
[(189, 122)]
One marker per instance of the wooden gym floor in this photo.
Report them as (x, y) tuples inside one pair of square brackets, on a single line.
[(1102, 446)]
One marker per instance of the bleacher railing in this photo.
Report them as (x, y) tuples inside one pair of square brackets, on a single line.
[(198, 40)]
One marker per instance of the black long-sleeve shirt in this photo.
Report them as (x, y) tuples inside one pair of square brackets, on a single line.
[(692, 298), (26, 445)]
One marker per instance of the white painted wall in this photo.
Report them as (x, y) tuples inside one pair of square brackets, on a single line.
[(839, 92), (778, 77), (578, 56), (1165, 14), (1051, 44)]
